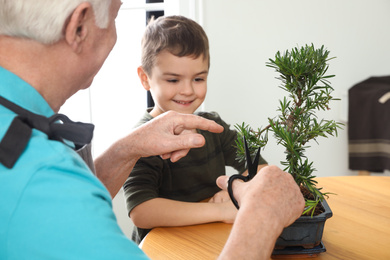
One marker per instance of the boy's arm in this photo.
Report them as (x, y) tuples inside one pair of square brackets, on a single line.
[(165, 212)]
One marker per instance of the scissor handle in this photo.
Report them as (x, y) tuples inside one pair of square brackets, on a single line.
[(230, 187)]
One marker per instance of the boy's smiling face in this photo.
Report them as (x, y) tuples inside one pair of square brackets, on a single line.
[(176, 83)]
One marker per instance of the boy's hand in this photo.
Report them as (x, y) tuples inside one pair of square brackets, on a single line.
[(220, 196), (223, 201)]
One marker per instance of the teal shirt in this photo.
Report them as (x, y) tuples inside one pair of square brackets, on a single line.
[(51, 205)]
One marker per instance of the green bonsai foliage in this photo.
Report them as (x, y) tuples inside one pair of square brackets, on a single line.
[(303, 75)]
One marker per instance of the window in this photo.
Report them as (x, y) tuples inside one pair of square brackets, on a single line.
[(116, 99)]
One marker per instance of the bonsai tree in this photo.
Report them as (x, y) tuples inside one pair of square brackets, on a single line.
[(303, 75)]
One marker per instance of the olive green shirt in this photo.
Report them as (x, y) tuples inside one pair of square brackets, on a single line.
[(191, 179)]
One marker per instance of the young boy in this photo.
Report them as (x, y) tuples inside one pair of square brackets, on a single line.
[(175, 66)]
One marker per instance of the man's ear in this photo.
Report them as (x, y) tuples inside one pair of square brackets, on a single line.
[(77, 29), (143, 78)]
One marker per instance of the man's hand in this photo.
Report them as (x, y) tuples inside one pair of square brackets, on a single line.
[(170, 135), (268, 203), (271, 190), (167, 135)]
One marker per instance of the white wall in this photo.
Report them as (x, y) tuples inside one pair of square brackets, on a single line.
[(244, 34)]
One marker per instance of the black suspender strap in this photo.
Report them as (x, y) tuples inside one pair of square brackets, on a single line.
[(57, 127)]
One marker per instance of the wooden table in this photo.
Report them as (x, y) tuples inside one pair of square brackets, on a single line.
[(359, 228)]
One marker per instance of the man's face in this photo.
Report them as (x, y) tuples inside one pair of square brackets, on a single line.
[(108, 35), (178, 83), (102, 40)]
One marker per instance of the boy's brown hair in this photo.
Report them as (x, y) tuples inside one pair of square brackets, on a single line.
[(179, 35)]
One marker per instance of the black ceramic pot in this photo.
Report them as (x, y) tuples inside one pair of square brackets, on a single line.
[(306, 231)]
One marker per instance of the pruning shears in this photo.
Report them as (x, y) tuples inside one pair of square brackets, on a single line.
[(252, 170)]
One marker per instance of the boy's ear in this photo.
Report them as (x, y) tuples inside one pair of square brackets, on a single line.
[(76, 30), (143, 77)]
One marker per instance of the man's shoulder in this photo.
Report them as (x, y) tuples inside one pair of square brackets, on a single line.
[(52, 186), (5, 121)]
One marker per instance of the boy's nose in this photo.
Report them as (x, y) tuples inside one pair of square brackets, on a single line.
[(187, 88)]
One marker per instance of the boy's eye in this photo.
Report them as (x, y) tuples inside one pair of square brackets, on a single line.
[(198, 79), (172, 80)]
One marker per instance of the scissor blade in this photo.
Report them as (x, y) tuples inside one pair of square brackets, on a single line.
[(253, 170), (252, 166)]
